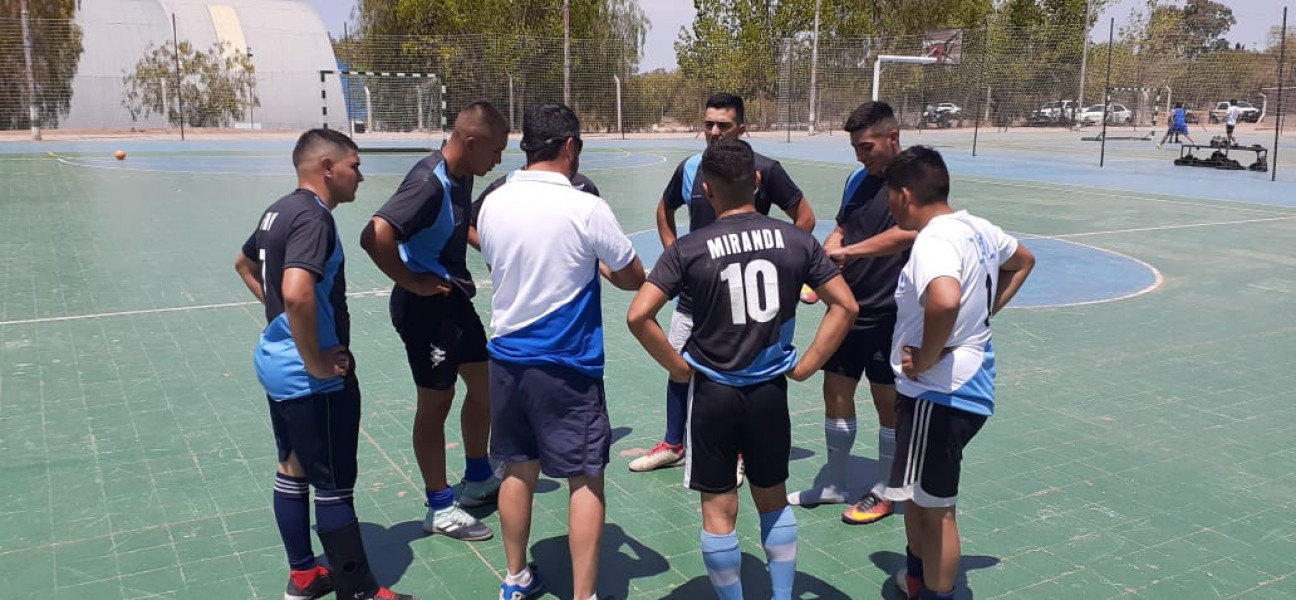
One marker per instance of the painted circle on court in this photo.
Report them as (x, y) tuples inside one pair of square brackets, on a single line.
[(1066, 273)]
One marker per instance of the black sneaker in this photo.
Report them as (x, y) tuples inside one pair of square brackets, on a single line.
[(309, 584)]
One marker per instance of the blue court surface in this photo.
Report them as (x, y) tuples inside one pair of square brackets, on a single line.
[(1141, 447)]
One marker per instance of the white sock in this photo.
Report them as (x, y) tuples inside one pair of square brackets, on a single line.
[(839, 435), (523, 579), (886, 456)]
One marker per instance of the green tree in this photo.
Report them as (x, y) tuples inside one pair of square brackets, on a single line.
[(216, 86), (56, 51)]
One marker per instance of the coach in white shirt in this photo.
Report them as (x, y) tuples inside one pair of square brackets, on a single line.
[(546, 244)]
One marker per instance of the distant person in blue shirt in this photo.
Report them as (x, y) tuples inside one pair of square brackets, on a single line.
[(1178, 125)]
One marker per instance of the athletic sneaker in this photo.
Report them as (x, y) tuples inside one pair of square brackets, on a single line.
[(518, 592), (1158, 146), (479, 493), (870, 509), (386, 594), (909, 586), (309, 584), (816, 496), (742, 470), (454, 522), (808, 295), (661, 456)]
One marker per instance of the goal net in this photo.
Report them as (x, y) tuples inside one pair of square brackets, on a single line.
[(394, 112)]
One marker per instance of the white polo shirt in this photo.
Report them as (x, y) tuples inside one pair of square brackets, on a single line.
[(542, 240)]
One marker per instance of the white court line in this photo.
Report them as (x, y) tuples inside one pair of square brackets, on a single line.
[(1167, 227), (1227, 204)]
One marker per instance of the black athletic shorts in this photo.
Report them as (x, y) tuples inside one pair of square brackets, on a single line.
[(440, 334), (866, 351), (323, 431), (552, 414), (725, 421), (930, 439)]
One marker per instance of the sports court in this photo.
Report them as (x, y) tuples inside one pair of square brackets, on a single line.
[(1142, 445)]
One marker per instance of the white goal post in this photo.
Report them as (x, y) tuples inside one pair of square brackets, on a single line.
[(394, 109)]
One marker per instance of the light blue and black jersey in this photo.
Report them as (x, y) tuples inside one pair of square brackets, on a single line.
[(685, 189), (865, 213), (745, 274), (430, 212), (298, 231)]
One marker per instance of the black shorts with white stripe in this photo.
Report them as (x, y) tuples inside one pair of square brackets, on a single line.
[(930, 439), (726, 421)]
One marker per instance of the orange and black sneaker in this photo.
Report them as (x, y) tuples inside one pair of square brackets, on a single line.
[(870, 509), (309, 584)]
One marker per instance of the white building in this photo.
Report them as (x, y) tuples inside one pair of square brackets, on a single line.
[(288, 43)]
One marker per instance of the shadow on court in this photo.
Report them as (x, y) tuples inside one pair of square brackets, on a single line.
[(890, 562), (389, 549), (621, 559), (756, 584)]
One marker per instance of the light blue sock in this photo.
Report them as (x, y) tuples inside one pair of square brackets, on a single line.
[(779, 537), (723, 564)]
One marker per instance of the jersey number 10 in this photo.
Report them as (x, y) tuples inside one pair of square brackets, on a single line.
[(753, 292)]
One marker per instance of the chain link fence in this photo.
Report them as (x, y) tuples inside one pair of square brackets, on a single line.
[(1004, 77)]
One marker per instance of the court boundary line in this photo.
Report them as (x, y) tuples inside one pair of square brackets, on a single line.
[(1227, 204)]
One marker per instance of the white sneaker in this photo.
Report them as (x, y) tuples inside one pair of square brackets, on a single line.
[(742, 470), (816, 496), (661, 456), (454, 522)]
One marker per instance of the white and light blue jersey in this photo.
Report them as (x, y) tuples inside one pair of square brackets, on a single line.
[(543, 240), (970, 250)]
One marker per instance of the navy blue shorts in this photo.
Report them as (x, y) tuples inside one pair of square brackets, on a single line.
[(323, 431), (440, 333), (552, 414), (1177, 129), (866, 352)]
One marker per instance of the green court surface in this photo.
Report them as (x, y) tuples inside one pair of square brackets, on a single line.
[(1142, 446)]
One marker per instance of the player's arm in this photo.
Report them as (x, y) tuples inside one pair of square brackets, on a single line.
[(665, 224), (802, 215), (250, 272), (379, 240), (1012, 274), (642, 320), (842, 310), (473, 239), (629, 278), (939, 315), (299, 305), (891, 241)]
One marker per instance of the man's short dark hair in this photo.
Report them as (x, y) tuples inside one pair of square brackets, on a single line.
[(485, 116), (727, 101), (922, 170), (544, 129), (315, 138), (1178, 104), (730, 164), (870, 115)]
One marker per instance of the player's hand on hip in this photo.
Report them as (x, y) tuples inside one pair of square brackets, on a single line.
[(431, 285), (683, 375), (800, 372), (334, 362), (908, 363)]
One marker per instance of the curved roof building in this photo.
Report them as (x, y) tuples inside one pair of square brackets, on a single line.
[(288, 43)]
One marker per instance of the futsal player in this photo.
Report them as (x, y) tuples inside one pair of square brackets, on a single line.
[(1178, 126), (723, 120), (293, 264), (419, 239), (871, 251), (961, 271), (744, 273)]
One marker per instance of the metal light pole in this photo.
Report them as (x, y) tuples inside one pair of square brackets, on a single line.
[(1084, 59), (33, 108), (567, 52), (814, 70)]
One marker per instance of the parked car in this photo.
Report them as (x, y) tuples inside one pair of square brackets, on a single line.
[(942, 114), (1057, 111), (1117, 114), (1250, 114)]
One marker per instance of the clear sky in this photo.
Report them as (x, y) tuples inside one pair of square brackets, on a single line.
[(1254, 18)]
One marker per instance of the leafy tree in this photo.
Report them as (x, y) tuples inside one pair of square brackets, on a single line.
[(216, 86), (56, 50)]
